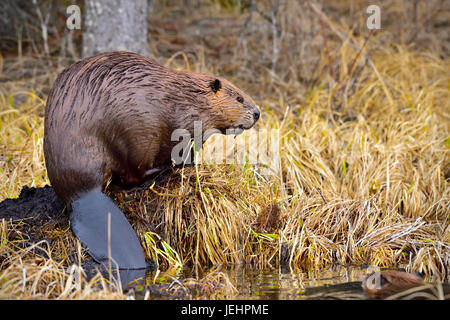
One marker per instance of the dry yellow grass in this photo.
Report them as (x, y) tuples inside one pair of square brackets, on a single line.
[(364, 178)]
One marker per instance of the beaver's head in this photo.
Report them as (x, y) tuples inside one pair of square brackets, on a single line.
[(231, 110), (388, 282)]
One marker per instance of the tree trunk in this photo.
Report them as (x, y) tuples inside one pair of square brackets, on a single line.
[(115, 25), (15, 16)]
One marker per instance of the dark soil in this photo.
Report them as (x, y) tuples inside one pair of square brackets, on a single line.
[(38, 209), (38, 214)]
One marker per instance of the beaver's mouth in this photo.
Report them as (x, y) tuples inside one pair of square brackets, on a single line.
[(235, 130)]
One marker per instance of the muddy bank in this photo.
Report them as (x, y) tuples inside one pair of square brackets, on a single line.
[(38, 214), (34, 212), (40, 204)]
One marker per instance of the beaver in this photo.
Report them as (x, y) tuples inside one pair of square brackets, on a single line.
[(388, 282), (109, 119)]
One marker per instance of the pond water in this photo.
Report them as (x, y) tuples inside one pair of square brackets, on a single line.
[(285, 284), (337, 282), (247, 282)]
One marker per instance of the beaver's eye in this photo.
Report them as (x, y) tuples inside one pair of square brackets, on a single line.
[(240, 99)]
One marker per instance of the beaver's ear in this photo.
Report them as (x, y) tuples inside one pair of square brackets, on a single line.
[(216, 85)]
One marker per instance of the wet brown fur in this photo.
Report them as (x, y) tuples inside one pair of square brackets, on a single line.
[(113, 115), (391, 282)]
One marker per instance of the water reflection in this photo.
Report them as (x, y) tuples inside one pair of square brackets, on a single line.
[(270, 283), (286, 284), (247, 282)]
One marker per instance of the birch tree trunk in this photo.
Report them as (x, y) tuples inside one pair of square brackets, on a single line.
[(115, 25)]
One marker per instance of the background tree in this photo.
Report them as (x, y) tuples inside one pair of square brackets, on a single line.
[(18, 21), (112, 25)]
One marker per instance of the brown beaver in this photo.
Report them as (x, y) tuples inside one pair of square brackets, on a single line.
[(388, 282), (110, 117)]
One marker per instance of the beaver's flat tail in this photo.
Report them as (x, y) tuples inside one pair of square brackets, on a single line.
[(89, 221)]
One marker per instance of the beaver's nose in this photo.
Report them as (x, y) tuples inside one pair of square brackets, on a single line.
[(256, 114)]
